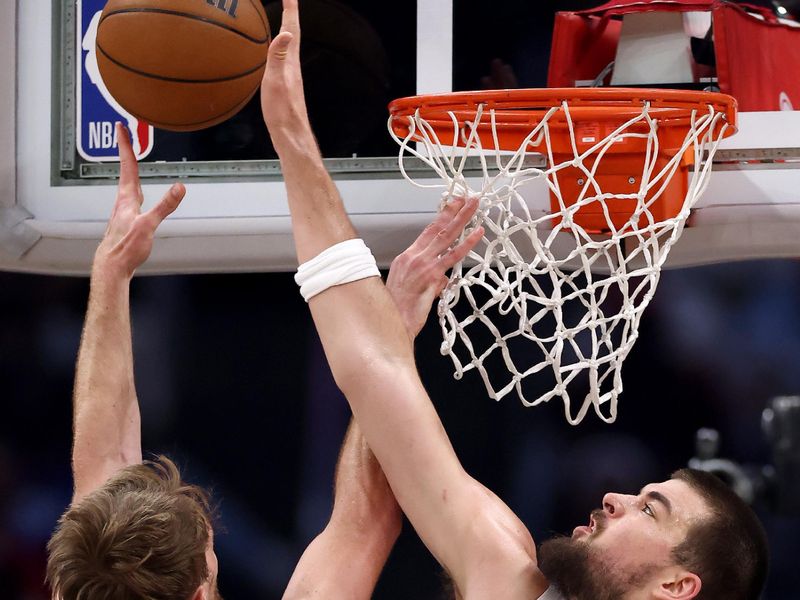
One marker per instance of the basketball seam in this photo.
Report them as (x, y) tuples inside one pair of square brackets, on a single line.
[(177, 13), (177, 79), (227, 114), (233, 110)]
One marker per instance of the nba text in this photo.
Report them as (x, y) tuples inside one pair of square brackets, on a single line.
[(102, 135)]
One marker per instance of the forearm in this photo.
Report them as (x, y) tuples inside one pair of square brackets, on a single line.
[(106, 412), (346, 559), (336, 567), (107, 429), (318, 216), (364, 504)]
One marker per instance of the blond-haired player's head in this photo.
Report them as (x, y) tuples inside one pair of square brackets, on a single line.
[(144, 534)]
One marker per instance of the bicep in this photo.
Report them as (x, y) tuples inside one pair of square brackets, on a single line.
[(372, 361), (457, 518)]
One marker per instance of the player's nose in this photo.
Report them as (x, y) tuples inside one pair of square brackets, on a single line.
[(614, 505)]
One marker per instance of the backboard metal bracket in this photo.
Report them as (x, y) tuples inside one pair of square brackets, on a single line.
[(64, 60), (16, 236), (270, 169), (757, 158)]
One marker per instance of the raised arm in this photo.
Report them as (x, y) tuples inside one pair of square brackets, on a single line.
[(106, 418), (471, 532), (346, 559)]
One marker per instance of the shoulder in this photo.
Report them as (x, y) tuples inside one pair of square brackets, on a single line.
[(503, 563)]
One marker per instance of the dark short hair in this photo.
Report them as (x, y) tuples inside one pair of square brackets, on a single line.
[(727, 550), (143, 534)]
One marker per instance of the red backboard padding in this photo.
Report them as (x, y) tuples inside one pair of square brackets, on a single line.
[(758, 62), (758, 59), (582, 47)]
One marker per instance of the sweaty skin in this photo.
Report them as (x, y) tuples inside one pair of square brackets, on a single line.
[(479, 541), (346, 559)]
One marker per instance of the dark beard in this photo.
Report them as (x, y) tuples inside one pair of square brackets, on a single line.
[(576, 570), (568, 565)]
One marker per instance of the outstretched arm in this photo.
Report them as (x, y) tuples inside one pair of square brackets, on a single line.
[(471, 532), (106, 423), (346, 559)]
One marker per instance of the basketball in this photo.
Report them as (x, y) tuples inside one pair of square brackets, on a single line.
[(182, 65)]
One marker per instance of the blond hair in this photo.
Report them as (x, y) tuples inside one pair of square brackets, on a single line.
[(143, 534)]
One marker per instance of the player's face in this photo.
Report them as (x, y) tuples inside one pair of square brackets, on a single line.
[(626, 545), (632, 531)]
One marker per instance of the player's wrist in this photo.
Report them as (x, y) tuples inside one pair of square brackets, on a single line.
[(292, 140), (109, 273), (379, 529)]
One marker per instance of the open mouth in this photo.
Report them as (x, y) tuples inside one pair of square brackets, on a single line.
[(595, 526)]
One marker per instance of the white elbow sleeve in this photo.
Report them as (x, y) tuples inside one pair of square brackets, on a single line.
[(342, 263)]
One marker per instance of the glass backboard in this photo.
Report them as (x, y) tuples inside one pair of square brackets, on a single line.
[(235, 216)]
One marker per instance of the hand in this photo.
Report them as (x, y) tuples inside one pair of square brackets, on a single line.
[(129, 237), (417, 276), (283, 102)]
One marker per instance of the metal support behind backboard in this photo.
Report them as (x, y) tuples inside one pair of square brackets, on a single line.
[(654, 49)]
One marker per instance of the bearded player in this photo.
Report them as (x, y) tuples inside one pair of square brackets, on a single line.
[(687, 537)]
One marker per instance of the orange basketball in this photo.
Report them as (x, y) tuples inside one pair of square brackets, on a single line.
[(182, 64)]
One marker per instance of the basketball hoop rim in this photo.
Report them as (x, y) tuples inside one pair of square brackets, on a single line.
[(521, 107)]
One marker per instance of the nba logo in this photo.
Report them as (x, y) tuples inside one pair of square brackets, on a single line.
[(97, 111)]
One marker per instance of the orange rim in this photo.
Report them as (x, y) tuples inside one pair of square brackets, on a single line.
[(520, 109)]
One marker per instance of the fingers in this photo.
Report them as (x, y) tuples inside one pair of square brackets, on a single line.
[(166, 206), (128, 168), (453, 227), (279, 48), (290, 20), (457, 254), (444, 217)]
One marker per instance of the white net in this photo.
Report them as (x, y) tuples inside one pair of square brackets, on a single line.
[(541, 294)]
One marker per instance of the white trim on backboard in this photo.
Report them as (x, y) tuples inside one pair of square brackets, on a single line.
[(758, 130), (244, 226), (8, 112)]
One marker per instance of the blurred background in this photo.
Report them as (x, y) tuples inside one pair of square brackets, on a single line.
[(233, 383)]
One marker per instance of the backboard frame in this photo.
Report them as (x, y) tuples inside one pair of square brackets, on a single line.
[(240, 223)]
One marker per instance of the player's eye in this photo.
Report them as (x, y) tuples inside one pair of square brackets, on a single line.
[(648, 510)]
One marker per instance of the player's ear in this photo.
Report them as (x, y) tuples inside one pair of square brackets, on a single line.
[(199, 593), (679, 585)]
